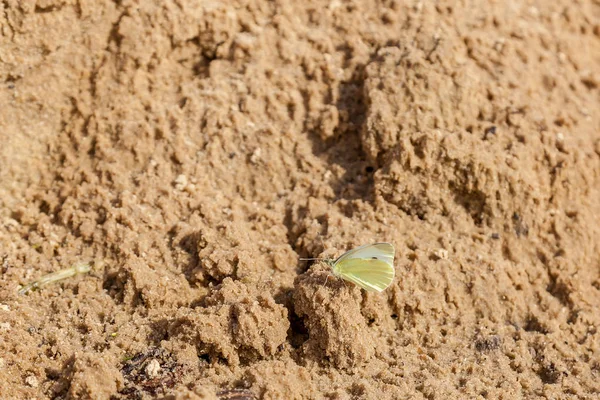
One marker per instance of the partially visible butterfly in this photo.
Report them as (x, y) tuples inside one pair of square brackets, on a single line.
[(370, 266)]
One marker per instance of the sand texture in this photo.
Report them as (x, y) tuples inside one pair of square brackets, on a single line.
[(194, 151)]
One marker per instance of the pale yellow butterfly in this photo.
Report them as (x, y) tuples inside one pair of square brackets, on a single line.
[(370, 266)]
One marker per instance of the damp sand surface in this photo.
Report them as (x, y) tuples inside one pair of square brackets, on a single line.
[(192, 152)]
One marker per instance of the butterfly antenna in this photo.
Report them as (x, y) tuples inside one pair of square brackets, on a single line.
[(315, 258)]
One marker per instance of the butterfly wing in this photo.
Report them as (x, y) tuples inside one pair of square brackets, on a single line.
[(380, 251), (371, 274)]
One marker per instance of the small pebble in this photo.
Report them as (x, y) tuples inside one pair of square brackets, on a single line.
[(441, 254), (153, 368), (31, 381), (256, 156), (181, 182)]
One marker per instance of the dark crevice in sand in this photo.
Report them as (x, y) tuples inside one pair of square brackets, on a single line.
[(61, 378), (474, 202), (189, 244), (559, 290), (533, 324), (114, 36), (343, 146), (48, 9)]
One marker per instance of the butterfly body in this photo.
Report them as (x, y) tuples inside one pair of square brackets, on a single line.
[(370, 266)]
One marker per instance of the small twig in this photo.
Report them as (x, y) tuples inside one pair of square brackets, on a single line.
[(56, 276)]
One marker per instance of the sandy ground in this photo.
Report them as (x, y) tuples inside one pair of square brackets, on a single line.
[(193, 151)]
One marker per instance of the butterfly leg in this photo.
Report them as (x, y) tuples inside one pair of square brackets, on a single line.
[(344, 282), (327, 277), (325, 284)]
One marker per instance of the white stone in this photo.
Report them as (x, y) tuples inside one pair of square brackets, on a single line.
[(153, 368), (256, 156), (442, 254), (181, 182), (31, 381)]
